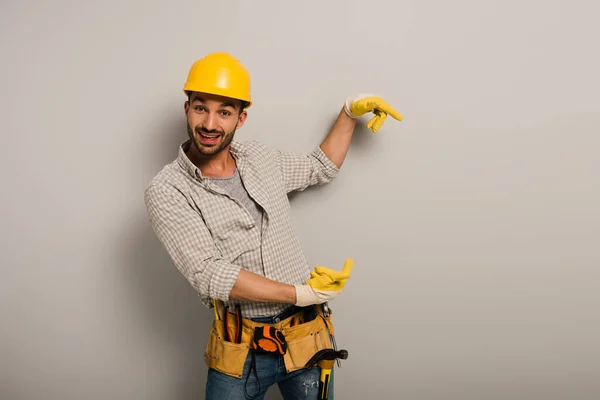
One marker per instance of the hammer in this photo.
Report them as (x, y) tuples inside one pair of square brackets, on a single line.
[(325, 359)]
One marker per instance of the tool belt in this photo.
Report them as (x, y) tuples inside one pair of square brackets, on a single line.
[(302, 340)]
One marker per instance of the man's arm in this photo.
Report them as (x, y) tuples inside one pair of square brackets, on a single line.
[(322, 165), (337, 142), (300, 171), (252, 287), (188, 242)]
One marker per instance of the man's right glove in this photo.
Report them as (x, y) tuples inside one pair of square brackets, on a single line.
[(323, 286)]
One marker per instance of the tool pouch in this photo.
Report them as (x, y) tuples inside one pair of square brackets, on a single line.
[(303, 341), (306, 339), (223, 356)]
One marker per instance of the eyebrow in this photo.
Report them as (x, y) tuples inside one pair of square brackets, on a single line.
[(223, 105)]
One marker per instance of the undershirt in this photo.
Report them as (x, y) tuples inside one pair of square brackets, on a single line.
[(235, 188)]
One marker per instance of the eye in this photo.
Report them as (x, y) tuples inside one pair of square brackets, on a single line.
[(199, 108), (226, 113)]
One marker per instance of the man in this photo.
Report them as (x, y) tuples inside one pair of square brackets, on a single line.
[(221, 211)]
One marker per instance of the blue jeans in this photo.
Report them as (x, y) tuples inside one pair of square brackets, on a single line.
[(302, 384)]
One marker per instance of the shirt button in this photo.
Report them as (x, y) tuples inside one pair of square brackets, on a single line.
[(277, 319)]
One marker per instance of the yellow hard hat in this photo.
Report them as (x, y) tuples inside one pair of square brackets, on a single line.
[(219, 74)]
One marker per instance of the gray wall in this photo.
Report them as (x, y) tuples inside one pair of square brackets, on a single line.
[(474, 224)]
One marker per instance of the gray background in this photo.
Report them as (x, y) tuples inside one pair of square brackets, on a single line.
[(474, 223)]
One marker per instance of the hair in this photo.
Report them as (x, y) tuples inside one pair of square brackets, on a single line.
[(244, 104)]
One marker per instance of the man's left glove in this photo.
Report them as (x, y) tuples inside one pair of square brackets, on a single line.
[(323, 287), (364, 103), (326, 277)]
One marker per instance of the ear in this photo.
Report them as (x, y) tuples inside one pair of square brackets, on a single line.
[(242, 118), (186, 107)]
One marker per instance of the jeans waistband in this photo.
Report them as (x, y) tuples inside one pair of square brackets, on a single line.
[(274, 319)]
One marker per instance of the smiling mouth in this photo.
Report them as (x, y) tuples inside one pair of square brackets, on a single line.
[(209, 135)]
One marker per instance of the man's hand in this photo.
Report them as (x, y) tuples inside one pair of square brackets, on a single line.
[(323, 278), (324, 285), (364, 103)]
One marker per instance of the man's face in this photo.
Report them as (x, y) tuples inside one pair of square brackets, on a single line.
[(212, 121)]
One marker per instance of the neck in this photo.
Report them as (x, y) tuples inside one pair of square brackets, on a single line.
[(217, 165)]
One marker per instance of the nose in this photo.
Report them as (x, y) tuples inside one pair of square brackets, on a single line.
[(210, 122)]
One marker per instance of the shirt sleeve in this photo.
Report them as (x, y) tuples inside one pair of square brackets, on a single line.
[(183, 233), (303, 170)]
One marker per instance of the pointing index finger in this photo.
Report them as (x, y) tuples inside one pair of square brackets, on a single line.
[(391, 111), (348, 265)]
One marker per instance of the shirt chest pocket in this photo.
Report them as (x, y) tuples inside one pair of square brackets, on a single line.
[(233, 229)]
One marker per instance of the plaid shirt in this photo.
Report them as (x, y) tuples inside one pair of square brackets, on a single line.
[(210, 237)]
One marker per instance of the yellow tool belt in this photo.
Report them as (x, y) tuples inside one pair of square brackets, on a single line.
[(303, 341)]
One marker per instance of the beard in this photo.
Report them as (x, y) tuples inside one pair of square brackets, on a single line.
[(209, 150)]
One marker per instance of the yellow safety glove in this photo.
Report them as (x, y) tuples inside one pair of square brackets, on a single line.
[(364, 103), (321, 288), (325, 277)]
